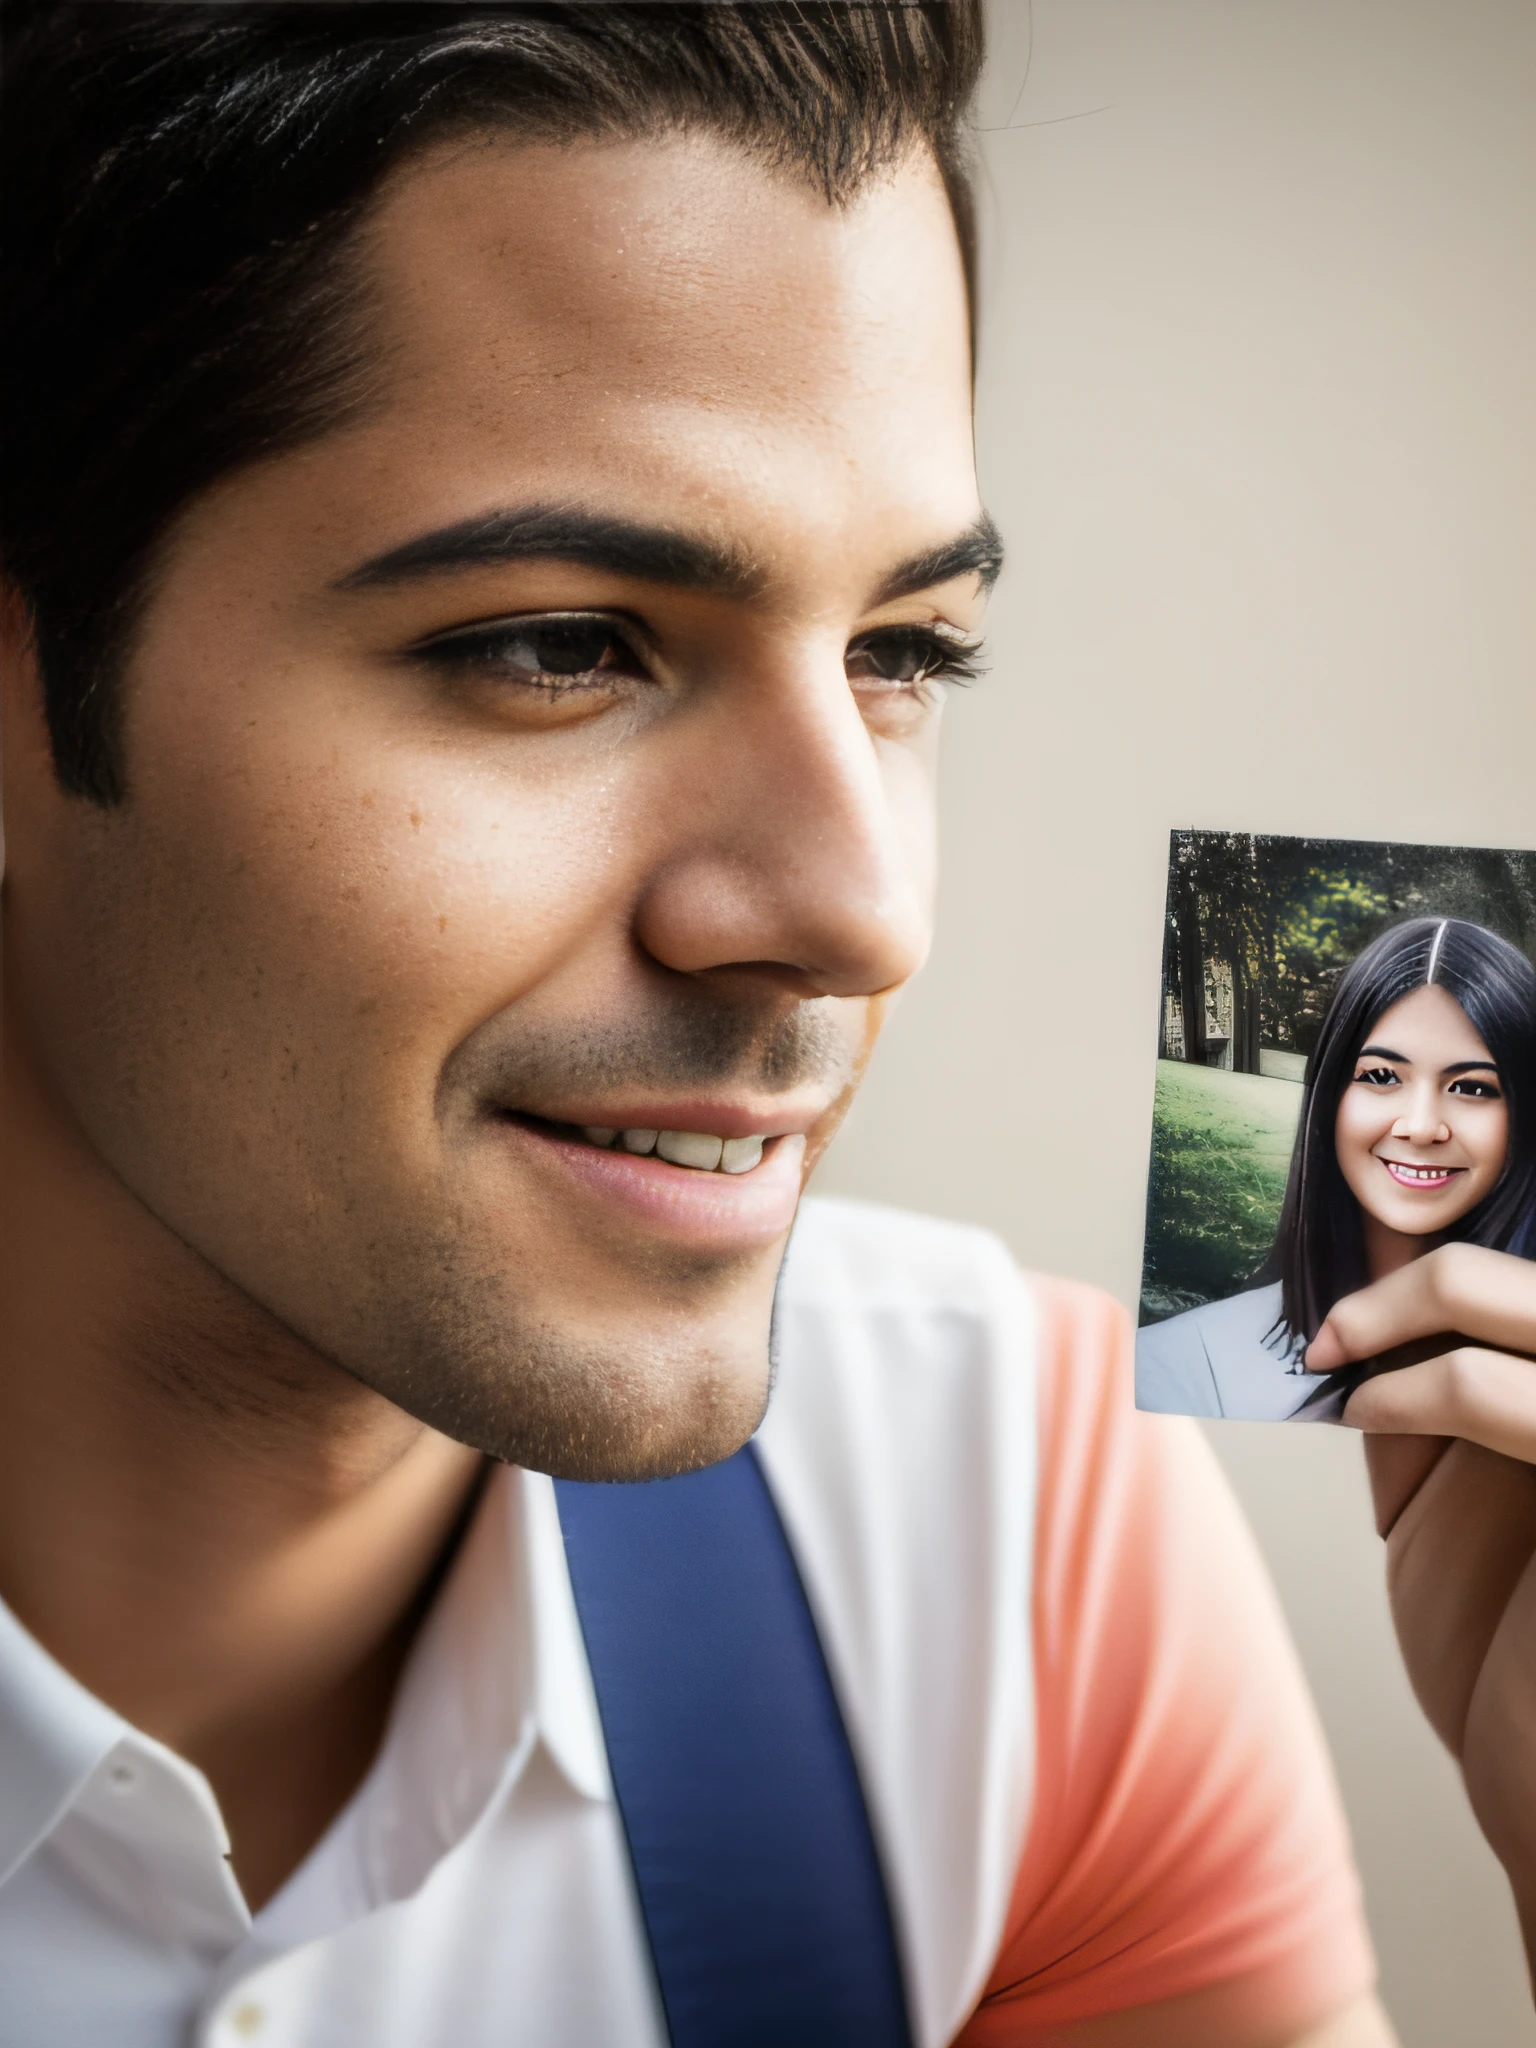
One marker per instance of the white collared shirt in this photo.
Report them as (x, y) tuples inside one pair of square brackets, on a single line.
[(477, 1890)]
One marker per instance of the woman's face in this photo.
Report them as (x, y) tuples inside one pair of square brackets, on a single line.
[(1423, 1126)]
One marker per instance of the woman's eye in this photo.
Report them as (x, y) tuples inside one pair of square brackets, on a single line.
[(909, 656), (1377, 1077), (553, 654), (1486, 1091)]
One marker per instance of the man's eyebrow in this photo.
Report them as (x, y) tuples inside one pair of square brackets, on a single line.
[(652, 554), (565, 533), (978, 551)]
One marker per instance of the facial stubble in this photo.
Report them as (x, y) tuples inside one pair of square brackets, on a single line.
[(682, 1377)]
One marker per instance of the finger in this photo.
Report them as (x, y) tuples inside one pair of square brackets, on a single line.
[(1484, 1397), (1398, 1467), (1400, 1354), (1487, 1296)]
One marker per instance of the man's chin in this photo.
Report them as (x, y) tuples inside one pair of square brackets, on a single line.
[(659, 1451), (590, 1406)]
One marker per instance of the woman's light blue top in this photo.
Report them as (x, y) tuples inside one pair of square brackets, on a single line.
[(1229, 1358)]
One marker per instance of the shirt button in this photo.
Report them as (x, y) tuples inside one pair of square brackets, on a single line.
[(247, 2019), (122, 1776)]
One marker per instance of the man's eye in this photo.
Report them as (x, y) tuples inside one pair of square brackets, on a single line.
[(1377, 1077), (1487, 1091), (555, 653), (910, 655)]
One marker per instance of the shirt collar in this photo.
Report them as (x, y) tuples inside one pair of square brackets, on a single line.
[(565, 1703), (498, 1667), (53, 1736)]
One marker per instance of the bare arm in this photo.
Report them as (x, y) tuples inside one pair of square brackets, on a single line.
[(1451, 1446)]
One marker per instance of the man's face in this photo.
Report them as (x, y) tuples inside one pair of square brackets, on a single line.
[(549, 753)]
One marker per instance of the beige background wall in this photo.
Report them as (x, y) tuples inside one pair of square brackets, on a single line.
[(1257, 420)]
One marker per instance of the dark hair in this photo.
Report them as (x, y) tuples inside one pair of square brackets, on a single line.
[(181, 184), (1320, 1247)]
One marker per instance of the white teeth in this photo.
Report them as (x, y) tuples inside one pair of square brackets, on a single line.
[(689, 1148), (698, 1149)]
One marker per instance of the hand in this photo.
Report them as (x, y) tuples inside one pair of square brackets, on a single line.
[(1451, 1449)]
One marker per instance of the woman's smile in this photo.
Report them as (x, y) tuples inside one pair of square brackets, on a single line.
[(1430, 1178)]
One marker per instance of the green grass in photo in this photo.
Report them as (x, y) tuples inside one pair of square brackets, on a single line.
[(1221, 1148)]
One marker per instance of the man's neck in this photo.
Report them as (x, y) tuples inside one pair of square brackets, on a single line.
[(218, 1532)]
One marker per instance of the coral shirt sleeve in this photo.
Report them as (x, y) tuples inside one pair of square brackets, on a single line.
[(1186, 1849)]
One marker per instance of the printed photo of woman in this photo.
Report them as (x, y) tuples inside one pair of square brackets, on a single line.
[(1417, 1128)]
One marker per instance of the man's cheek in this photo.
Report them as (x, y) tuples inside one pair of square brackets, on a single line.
[(911, 782), (412, 913)]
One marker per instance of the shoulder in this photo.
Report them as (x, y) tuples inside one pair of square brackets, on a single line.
[(1184, 1363), (1184, 1834), (902, 1344), (862, 1258), (900, 1330), (1251, 1312), (894, 1327), (846, 1254), (903, 1444)]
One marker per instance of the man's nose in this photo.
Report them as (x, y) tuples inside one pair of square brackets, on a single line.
[(792, 839)]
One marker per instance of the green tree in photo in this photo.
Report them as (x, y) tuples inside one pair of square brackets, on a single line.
[(1221, 1148), (1259, 929)]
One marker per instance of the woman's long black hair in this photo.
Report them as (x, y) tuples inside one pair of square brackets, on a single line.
[(1320, 1246)]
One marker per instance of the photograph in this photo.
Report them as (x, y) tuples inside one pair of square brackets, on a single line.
[(1346, 1078)]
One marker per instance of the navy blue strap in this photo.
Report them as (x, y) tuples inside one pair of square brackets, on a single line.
[(757, 1873)]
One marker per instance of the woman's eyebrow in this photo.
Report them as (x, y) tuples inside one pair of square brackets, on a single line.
[(1384, 1052)]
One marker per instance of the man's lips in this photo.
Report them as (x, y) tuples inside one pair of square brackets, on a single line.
[(770, 1117), (733, 1210), (704, 1136), (1422, 1179)]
